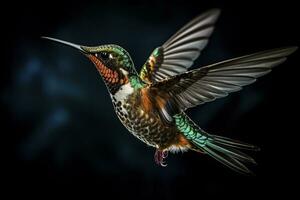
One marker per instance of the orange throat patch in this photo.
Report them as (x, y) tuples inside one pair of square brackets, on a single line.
[(108, 75)]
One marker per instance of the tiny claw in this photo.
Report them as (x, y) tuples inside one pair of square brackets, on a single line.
[(163, 164), (164, 154), (159, 157), (156, 157)]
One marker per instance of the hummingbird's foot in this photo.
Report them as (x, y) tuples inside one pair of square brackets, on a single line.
[(159, 157)]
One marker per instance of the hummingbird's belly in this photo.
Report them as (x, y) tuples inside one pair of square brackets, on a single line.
[(146, 126)]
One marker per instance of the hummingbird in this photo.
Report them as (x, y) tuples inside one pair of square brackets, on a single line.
[(152, 104)]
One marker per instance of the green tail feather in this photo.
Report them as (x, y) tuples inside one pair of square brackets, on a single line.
[(224, 150)]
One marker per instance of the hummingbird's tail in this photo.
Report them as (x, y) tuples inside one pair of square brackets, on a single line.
[(224, 150)]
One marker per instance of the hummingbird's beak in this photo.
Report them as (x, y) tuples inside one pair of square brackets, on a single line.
[(76, 46)]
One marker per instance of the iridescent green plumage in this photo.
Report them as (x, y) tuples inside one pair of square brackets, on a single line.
[(190, 130), (151, 105)]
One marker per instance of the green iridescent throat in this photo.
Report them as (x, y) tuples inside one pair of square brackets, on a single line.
[(136, 82)]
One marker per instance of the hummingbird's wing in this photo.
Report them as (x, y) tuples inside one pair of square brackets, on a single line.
[(217, 80), (177, 54)]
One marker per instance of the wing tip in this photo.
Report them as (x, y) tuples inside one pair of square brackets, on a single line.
[(215, 11), (286, 51), (291, 49)]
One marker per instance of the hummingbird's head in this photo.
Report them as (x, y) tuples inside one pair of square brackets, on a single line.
[(112, 61)]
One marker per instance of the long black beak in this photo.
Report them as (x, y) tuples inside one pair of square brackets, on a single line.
[(76, 46)]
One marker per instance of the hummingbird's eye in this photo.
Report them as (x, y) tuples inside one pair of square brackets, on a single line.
[(103, 55)]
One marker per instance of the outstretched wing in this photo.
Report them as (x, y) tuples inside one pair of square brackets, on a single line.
[(214, 81), (179, 52)]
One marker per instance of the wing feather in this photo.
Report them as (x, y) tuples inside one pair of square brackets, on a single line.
[(178, 54), (218, 80)]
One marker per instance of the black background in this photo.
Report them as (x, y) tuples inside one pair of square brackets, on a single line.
[(60, 133)]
